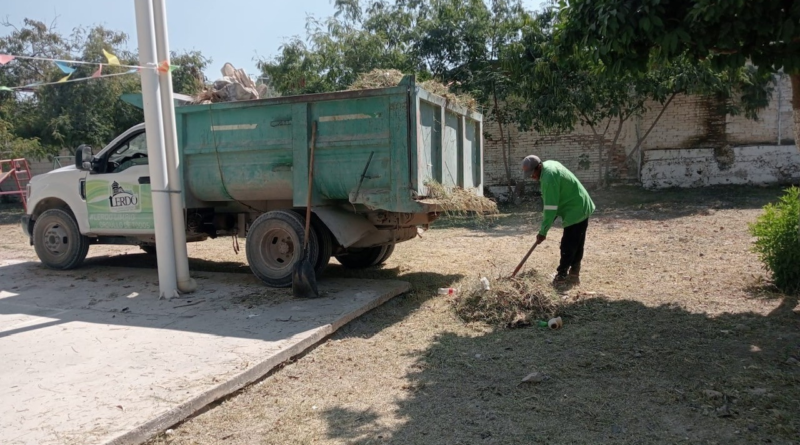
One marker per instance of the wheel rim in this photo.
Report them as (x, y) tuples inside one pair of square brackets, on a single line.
[(278, 249), (56, 239)]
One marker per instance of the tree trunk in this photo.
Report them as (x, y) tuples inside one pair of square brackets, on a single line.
[(795, 77), (503, 145)]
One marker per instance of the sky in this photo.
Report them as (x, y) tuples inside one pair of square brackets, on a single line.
[(238, 32)]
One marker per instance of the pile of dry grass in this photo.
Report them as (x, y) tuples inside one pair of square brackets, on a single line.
[(510, 302), (379, 78), (458, 202)]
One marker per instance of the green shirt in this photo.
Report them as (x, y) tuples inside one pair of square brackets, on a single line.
[(563, 196)]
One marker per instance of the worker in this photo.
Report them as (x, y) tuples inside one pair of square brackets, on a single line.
[(563, 195)]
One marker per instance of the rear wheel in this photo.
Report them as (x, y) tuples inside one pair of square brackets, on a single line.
[(362, 258), (58, 241), (325, 241), (275, 245), (389, 251)]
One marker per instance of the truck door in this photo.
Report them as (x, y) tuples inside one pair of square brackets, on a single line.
[(117, 191)]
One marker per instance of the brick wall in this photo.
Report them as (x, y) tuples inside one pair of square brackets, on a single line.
[(690, 122)]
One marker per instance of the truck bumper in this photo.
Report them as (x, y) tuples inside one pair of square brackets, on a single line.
[(25, 221)]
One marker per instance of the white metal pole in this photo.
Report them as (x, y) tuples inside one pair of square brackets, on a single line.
[(780, 104), (185, 281), (154, 127)]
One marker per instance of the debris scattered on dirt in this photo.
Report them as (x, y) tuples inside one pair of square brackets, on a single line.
[(380, 78), (534, 377), (235, 85), (457, 201), (555, 323), (511, 302), (711, 394), (724, 411)]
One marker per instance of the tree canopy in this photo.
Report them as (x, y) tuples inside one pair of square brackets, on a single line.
[(39, 121)]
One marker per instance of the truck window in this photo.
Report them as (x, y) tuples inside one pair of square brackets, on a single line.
[(130, 153)]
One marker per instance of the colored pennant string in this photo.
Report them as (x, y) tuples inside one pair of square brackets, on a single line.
[(98, 73), (64, 64), (66, 80)]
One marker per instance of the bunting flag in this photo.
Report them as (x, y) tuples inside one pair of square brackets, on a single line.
[(5, 58), (165, 67), (98, 73), (2, 88), (112, 59), (64, 79), (66, 69)]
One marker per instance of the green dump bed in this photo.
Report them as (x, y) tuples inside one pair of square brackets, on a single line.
[(259, 150)]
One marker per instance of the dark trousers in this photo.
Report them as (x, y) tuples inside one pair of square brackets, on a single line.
[(572, 247)]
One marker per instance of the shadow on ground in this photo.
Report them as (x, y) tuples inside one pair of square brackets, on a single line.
[(619, 372)]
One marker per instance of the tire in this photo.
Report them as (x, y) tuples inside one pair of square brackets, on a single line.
[(275, 244), (389, 251), (325, 242), (58, 241), (362, 258), (148, 249)]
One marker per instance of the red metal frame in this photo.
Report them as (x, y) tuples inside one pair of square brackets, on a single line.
[(18, 171)]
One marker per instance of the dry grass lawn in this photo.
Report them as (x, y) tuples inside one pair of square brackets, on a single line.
[(675, 336)]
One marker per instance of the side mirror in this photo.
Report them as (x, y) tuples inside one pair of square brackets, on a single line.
[(83, 157)]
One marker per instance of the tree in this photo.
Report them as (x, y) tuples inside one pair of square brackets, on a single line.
[(566, 85), (628, 36), (339, 48), (41, 121)]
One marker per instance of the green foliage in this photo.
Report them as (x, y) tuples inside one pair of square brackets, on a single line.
[(778, 243), (42, 121), (352, 42), (625, 34)]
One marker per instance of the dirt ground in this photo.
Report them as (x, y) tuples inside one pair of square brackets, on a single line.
[(675, 336)]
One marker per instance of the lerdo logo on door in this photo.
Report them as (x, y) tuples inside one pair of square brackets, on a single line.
[(122, 200)]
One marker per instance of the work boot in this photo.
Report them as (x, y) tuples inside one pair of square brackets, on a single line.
[(574, 278), (560, 281)]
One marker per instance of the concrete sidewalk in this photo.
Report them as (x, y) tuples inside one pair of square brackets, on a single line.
[(92, 356)]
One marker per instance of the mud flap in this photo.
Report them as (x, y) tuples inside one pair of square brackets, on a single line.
[(348, 228)]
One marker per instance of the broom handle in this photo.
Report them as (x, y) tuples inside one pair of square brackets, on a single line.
[(524, 259), (310, 183)]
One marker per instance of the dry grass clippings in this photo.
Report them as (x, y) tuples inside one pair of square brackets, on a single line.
[(382, 78), (510, 302), (457, 201)]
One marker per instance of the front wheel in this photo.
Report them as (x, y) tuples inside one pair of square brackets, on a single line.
[(275, 244), (58, 241)]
